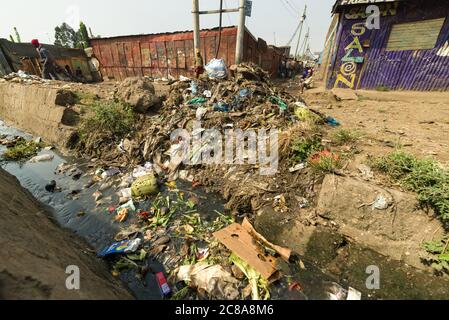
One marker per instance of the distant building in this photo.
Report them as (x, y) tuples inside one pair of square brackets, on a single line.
[(171, 54), (410, 50), (23, 56)]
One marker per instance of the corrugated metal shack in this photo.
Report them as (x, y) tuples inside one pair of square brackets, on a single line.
[(410, 51), (172, 54), (23, 56)]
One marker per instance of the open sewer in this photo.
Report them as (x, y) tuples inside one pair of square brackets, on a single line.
[(73, 208)]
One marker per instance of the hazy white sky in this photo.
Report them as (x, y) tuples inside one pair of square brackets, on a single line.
[(271, 20)]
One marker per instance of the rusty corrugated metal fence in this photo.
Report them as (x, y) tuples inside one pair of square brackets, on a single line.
[(172, 54)]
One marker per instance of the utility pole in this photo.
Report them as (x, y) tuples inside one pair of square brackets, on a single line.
[(306, 41), (196, 25), (240, 33), (241, 29), (303, 18)]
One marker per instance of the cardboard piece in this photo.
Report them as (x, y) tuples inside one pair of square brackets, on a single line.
[(285, 253), (241, 242)]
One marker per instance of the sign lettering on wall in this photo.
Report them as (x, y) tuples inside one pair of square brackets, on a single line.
[(348, 70), (386, 9)]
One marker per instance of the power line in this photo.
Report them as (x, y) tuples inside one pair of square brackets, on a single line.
[(294, 35), (294, 8), (288, 9)]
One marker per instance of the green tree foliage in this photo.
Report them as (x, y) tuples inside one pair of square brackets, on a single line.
[(18, 39), (65, 36), (83, 36)]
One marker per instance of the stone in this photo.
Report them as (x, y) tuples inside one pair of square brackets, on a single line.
[(139, 93)]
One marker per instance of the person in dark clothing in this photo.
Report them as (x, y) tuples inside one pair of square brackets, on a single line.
[(48, 70)]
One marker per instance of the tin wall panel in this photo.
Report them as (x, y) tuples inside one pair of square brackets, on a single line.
[(422, 70), (161, 55)]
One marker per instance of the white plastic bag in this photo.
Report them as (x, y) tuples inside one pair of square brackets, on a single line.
[(216, 69)]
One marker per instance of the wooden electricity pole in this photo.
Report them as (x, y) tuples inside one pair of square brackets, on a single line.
[(196, 25), (241, 27), (240, 33)]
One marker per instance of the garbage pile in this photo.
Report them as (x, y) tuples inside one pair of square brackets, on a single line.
[(248, 89), (22, 77)]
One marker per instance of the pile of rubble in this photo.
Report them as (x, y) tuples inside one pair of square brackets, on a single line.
[(22, 77)]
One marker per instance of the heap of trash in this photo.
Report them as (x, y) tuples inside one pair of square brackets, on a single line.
[(22, 77), (216, 256), (246, 87)]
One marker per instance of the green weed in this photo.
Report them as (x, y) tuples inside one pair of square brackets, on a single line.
[(423, 176), (439, 254), (325, 162), (303, 147), (23, 150), (346, 136), (382, 89), (112, 118), (85, 98)]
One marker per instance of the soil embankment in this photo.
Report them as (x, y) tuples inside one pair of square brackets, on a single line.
[(35, 253)]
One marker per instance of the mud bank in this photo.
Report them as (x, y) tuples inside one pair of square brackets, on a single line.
[(39, 110), (35, 253)]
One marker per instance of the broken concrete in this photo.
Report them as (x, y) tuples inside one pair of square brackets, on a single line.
[(344, 94), (397, 231)]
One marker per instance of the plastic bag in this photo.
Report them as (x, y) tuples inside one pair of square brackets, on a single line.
[(216, 69)]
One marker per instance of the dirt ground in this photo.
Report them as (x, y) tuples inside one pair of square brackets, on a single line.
[(35, 253), (416, 121)]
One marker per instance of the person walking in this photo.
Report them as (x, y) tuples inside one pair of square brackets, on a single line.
[(48, 71)]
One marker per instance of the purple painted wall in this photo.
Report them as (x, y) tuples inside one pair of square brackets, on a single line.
[(422, 70)]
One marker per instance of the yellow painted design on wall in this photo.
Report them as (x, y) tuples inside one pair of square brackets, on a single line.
[(355, 44), (348, 70)]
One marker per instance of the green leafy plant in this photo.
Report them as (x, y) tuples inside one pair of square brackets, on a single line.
[(303, 147), (439, 254), (424, 176), (23, 150), (325, 162), (112, 118)]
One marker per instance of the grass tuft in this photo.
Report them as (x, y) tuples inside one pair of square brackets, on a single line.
[(423, 176), (303, 147), (325, 162), (346, 136)]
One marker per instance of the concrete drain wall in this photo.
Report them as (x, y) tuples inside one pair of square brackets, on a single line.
[(39, 110)]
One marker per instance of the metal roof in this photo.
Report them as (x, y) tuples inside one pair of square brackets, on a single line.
[(339, 4), (162, 33)]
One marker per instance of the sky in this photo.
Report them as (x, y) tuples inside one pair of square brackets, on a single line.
[(273, 20)]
